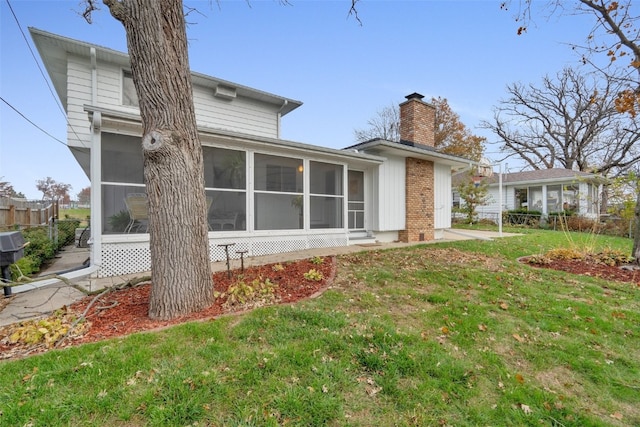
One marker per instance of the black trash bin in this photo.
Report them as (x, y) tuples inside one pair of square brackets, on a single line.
[(11, 250)]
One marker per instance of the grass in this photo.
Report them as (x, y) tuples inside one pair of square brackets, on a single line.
[(77, 213), (444, 334)]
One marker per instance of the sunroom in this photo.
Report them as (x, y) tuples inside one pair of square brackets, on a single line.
[(263, 196)]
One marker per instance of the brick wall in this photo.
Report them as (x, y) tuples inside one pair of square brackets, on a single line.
[(417, 124)]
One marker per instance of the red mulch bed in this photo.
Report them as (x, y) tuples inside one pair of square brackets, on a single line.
[(125, 311), (603, 271)]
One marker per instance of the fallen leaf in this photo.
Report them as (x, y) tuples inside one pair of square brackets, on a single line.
[(616, 416), (444, 330), (525, 408), (518, 338), (520, 378), (482, 327), (504, 306), (372, 391)]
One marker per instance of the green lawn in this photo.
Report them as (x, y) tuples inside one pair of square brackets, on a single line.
[(77, 213), (455, 334)]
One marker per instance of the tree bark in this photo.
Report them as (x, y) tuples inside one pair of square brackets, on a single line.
[(173, 161)]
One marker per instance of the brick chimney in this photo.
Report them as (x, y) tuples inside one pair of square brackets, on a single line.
[(417, 126), (417, 121)]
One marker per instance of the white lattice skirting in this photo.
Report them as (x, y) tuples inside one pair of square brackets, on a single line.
[(120, 258)]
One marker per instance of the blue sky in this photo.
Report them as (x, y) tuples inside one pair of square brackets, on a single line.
[(343, 72)]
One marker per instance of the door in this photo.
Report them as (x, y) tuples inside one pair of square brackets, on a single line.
[(356, 200)]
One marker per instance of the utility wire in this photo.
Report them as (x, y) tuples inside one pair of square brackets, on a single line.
[(35, 125), (55, 98)]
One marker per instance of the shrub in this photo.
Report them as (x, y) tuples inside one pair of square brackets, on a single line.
[(41, 248), (522, 217), (581, 223), (314, 275), (565, 253), (259, 292), (612, 257)]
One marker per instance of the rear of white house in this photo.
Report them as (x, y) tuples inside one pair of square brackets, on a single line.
[(265, 195)]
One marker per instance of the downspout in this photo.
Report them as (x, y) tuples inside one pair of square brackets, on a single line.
[(284, 104), (95, 170)]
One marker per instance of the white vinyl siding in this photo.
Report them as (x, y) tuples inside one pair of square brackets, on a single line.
[(110, 86), (442, 198), (237, 115), (391, 195), (78, 94)]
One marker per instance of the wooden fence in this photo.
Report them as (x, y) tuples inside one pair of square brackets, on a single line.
[(19, 213)]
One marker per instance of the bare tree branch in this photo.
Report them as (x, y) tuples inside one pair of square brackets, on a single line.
[(568, 122)]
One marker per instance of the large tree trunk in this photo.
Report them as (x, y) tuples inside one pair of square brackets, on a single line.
[(173, 165)]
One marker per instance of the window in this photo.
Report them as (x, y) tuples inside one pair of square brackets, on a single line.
[(122, 174), (225, 168), (570, 198), (281, 174), (278, 195), (521, 198), (225, 177), (356, 200), (535, 199), (554, 198), (122, 159), (327, 189), (129, 94)]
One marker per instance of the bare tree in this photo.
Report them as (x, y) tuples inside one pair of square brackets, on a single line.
[(452, 136), (84, 196), (569, 122), (384, 125), (52, 189), (6, 189), (616, 35), (173, 160)]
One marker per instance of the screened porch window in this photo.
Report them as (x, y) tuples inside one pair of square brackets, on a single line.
[(570, 198), (122, 177), (554, 198), (535, 199), (522, 200), (278, 192), (327, 195), (225, 180)]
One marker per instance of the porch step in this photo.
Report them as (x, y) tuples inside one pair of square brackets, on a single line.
[(362, 238)]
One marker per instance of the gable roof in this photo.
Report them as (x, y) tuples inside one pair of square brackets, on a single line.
[(382, 147), (538, 176), (54, 49)]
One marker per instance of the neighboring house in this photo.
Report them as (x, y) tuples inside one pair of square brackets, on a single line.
[(266, 195), (545, 190)]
